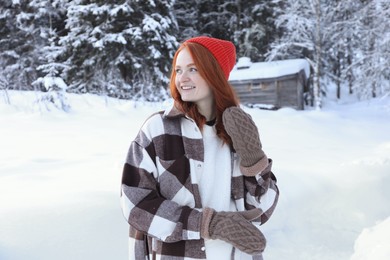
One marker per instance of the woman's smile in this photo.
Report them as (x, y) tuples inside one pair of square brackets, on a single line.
[(187, 87)]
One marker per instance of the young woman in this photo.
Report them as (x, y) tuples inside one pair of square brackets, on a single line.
[(196, 183)]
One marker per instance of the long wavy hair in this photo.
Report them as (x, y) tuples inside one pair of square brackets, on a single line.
[(209, 69)]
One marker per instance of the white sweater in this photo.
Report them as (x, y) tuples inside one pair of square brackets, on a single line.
[(214, 186)]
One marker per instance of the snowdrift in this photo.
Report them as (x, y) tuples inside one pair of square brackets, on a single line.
[(60, 178)]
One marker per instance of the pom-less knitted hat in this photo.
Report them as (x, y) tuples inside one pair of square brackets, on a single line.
[(223, 51)]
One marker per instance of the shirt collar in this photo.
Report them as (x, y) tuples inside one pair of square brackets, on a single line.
[(173, 112)]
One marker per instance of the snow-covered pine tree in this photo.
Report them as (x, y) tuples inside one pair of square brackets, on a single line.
[(22, 30), (249, 24), (155, 47), (6, 53), (187, 16), (304, 32), (217, 18), (341, 43), (212, 18), (255, 28), (47, 20), (17, 44), (51, 83), (120, 48), (353, 42), (372, 59)]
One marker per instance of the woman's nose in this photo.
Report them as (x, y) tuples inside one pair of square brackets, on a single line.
[(184, 76)]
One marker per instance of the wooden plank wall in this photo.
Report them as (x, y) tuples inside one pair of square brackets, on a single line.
[(286, 91)]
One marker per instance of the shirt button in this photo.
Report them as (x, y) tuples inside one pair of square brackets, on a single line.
[(199, 166), (203, 248)]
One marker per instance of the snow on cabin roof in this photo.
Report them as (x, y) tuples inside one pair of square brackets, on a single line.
[(246, 70)]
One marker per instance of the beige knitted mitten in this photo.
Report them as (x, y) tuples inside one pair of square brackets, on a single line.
[(245, 136), (234, 228)]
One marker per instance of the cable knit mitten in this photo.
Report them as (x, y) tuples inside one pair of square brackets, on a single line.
[(234, 228), (245, 137)]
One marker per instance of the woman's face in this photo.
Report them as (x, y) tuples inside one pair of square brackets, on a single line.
[(190, 84)]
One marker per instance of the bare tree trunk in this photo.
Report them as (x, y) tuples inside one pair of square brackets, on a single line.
[(316, 87), (349, 72), (6, 96), (4, 85), (337, 72), (317, 62)]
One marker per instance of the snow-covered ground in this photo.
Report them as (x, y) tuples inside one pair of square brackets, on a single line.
[(60, 178)]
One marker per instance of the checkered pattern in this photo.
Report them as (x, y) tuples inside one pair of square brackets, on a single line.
[(160, 197)]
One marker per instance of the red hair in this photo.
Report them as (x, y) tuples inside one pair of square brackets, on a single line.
[(210, 70)]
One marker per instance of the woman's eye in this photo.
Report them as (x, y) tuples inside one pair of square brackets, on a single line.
[(178, 71), (193, 70)]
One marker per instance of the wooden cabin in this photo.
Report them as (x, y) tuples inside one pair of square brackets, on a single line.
[(271, 85)]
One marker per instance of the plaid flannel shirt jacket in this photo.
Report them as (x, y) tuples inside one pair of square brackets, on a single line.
[(160, 197)]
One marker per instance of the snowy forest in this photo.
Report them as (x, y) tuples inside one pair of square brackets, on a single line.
[(124, 48)]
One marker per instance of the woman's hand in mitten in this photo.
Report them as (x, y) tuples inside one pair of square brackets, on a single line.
[(246, 140), (234, 228)]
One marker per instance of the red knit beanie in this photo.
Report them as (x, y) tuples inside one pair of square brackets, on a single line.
[(223, 51)]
